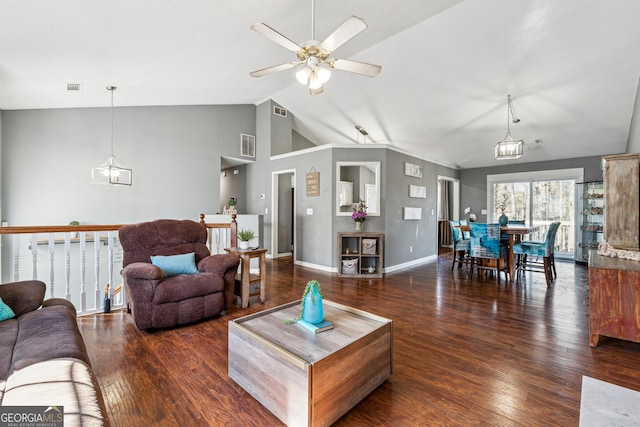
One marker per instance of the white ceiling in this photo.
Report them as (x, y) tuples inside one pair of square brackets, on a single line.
[(571, 67)]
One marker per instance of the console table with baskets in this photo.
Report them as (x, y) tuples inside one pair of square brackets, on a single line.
[(360, 254)]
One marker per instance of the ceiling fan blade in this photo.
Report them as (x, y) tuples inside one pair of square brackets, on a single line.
[(345, 32), (274, 69), (275, 36), (363, 68)]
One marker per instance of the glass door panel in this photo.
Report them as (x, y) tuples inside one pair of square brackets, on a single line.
[(518, 207), (554, 200), (540, 203)]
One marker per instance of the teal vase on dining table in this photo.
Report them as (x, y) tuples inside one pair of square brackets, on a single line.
[(503, 220)]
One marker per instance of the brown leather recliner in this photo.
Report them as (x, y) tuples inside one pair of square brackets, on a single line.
[(159, 302)]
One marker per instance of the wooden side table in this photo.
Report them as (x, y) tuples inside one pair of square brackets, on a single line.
[(246, 278)]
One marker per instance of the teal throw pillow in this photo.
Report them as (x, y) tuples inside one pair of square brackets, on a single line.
[(5, 311), (173, 265)]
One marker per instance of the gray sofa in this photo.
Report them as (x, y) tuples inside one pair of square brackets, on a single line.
[(43, 358)]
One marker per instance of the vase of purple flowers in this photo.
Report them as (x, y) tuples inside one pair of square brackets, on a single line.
[(359, 214)]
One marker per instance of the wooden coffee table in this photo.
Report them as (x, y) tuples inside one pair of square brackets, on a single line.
[(308, 379)]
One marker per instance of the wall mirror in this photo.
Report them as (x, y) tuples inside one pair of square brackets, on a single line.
[(357, 181)]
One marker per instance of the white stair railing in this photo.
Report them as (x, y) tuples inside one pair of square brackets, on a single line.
[(64, 248), (59, 248)]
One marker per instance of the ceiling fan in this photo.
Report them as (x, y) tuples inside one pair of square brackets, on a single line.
[(314, 53)]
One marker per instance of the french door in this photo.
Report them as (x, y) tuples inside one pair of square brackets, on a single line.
[(539, 201)]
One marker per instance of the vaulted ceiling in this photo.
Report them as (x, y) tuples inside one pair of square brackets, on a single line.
[(571, 67)]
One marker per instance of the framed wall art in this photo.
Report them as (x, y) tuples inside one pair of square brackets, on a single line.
[(411, 214), (418, 191), (412, 170)]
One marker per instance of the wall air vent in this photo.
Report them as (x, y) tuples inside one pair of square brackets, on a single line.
[(247, 145), (74, 87), (279, 111)]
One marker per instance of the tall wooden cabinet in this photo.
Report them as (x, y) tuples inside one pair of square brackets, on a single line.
[(621, 175), (360, 254)]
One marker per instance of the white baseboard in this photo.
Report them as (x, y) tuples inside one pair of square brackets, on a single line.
[(283, 255), (317, 266), (412, 263), (390, 269)]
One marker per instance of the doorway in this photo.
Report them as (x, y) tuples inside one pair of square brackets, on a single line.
[(283, 210), (448, 208)]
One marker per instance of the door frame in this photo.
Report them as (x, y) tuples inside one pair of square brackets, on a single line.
[(275, 196), (455, 209)]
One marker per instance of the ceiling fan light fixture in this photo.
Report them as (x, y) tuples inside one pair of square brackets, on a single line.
[(323, 74), (314, 81), (318, 91), (303, 75), (313, 53)]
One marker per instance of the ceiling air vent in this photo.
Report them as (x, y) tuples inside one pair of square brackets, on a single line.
[(74, 87), (247, 145), (279, 111)]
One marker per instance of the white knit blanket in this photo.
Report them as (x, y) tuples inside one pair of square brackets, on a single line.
[(59, 382)]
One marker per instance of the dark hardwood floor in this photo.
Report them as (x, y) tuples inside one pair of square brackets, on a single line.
[(465, 353)]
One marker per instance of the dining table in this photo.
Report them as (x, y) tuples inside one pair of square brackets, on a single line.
[(515, 233)]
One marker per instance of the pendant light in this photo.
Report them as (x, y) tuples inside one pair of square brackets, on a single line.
[(509, 148), (111, 172)]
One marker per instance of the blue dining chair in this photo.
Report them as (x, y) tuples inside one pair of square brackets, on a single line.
[(460, 245), (486, 251), (529, 253)]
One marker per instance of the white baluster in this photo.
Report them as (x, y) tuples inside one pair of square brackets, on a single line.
[(210, 232), (83, 291), (52, 252), (16, 257), (96, 249), (110, 244), (34, 255), (67, 265), (223, 234)]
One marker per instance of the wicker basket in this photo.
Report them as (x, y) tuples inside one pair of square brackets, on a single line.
[(350, 266), (369, 246)]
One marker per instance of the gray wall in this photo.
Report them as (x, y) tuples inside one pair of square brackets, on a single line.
[(633, 143), (473, 182), (311, 230), (281, 135), (322, 225), (421, 235), (174, 152), (299, 142)]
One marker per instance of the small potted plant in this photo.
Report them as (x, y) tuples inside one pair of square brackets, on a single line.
[(310, 305), (74, 234), (244, 236), (359, 214)]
